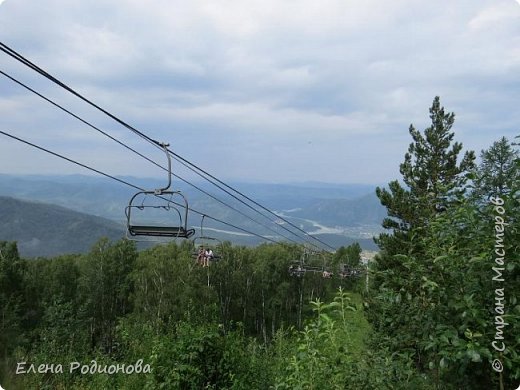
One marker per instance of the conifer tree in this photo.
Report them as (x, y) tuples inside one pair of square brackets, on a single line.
[(432, 178), (497, 171)]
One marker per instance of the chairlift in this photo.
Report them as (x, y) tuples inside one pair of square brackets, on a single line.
[(325, 271), (158, 213), (207, 248), (346, 271), (298, 268)]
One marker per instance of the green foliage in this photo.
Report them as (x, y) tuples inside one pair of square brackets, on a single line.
[(116, 305), (206, 357), (498, 172), (104, 289), (321, 348), (350, 255), (169, 286), (332, 352), (433, 296), (433, 177), (11, 298)]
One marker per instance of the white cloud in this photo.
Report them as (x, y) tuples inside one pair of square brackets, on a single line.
[(251, 76), (494, 16)]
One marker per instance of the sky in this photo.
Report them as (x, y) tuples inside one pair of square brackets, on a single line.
[(268, 91)]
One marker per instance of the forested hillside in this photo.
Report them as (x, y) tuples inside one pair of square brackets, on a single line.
[(47, 230)]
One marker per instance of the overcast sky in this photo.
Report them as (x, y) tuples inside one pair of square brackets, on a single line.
[(270, 90)]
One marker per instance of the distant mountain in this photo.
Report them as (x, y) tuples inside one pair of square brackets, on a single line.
[(48, 230), (287, 196), (361, 211), (339, 212), (92, 195)]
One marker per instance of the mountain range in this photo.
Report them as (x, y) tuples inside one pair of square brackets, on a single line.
[(36, 210)]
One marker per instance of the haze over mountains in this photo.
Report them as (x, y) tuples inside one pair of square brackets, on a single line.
[(337, 214)]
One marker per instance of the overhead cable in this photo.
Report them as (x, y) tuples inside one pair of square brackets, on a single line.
[(39, 70), (139, 154), (130, 184)]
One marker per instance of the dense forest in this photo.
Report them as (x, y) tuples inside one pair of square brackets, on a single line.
[(437, 308)]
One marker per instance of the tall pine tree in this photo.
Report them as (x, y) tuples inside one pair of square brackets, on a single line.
[(498, 171), (432, 179)]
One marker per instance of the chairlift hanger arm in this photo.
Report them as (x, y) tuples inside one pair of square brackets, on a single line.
[(160, 191)]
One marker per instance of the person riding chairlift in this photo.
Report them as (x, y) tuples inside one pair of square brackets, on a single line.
[(327, 274), (201, 256), (208, 255)]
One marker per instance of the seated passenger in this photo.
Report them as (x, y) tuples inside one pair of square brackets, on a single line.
[(200, 256), (327, 274), (208, 255)]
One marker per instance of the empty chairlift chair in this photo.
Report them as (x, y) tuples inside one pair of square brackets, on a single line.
[(158, 213)]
